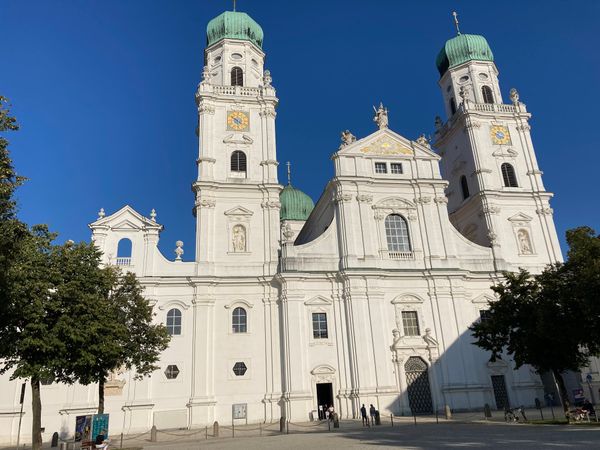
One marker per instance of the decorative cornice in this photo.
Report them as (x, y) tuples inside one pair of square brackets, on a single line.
[(268, 112), (422, 200), (271, 204), (524, 127), (364, 198), (206, 203), (545, 211), (441, 199), (342, 198), (206, 108)]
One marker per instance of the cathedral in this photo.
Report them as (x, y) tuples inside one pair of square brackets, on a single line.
[(362, 298)]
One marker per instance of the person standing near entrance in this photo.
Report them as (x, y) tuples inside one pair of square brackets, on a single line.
[(363, 414), (372, 412), (330, 410)]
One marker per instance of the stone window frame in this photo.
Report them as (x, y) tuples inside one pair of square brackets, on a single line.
[(395, 205), (180, 366), (182, 307), (319, 304), (239, 303), (231, 374), (408, 302)]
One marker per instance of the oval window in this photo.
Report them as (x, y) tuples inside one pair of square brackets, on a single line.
[(483, 76), (255, 62), (464, 78), (217, 60), (236, 56)]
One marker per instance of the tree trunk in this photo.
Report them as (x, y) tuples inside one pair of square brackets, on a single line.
[(101, 395), (562, 390), (36, 411)]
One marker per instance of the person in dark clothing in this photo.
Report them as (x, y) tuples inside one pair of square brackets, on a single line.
[(363, 414), (372, 412)]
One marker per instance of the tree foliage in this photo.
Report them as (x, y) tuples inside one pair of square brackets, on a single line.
[(549, 320)]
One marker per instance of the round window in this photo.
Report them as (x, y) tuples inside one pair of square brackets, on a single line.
[(483, 76), (236, 56), (464, 78), (217, 60)]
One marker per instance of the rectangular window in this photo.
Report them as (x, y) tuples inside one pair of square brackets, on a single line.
[(380, 167), (319, 325), (396, 167), (484, 315), (410, 323)]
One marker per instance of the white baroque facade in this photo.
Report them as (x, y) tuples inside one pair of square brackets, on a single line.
[(365, 299)]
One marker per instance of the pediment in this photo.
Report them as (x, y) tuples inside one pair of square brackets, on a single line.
[(319, 300), (238, 211), (520, 217), (386, 143), (485, 299), (324, 369), (407, 298), (238, 139), (395, 203), (126, 218)]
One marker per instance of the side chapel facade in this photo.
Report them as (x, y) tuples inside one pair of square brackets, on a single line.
[(365, 297)]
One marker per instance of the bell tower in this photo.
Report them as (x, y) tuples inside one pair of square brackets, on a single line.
[(496, 196), (237, 192)]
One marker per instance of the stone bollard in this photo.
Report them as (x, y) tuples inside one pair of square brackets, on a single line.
[(448, 412), (216, 429), (487, 411), (153, 433), (54, 442), (282, 425)]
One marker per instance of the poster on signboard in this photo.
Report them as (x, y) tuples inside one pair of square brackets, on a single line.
[(99, 426), (83, 428)]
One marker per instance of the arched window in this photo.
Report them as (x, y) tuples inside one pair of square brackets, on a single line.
[(124, 252), (239, 320), (464, 185), (237, 76), (452, 106), (174, 322), (238, 161), (508, 175), (396, 232), (488, 97)]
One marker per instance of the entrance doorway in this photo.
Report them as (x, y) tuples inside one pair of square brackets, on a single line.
[(500, 392), (417, 380), (324, 398)]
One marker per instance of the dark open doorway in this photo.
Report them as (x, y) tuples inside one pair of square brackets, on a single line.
[(324, 397)]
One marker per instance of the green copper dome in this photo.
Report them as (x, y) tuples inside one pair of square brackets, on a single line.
[(463, 48), (295, 204), (234, 25)]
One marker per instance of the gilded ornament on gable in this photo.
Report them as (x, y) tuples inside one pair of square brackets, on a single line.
[(386, 146)]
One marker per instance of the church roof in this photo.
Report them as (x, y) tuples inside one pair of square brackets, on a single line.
[(234, 25), (463, 48), (295, 204)]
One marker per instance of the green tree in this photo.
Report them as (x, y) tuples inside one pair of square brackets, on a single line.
[(37, 327), (549, 320), (122, 336)]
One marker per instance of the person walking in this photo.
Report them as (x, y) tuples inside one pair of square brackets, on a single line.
[(372, 412), (363, 414)]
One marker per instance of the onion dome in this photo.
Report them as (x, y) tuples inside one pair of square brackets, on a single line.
[(295, 204), (463, 48), (234, 25)]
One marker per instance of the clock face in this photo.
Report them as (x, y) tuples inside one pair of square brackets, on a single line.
[(238, 121), (500, 135)]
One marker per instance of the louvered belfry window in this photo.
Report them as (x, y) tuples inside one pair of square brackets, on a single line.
[(237, 76), (508, 175), (238, 161), (488, 97)]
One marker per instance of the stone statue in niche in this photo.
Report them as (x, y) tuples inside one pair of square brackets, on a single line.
[(239, 239), (524, 242)]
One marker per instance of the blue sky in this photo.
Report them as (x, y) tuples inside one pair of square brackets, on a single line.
[(104, 93)]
